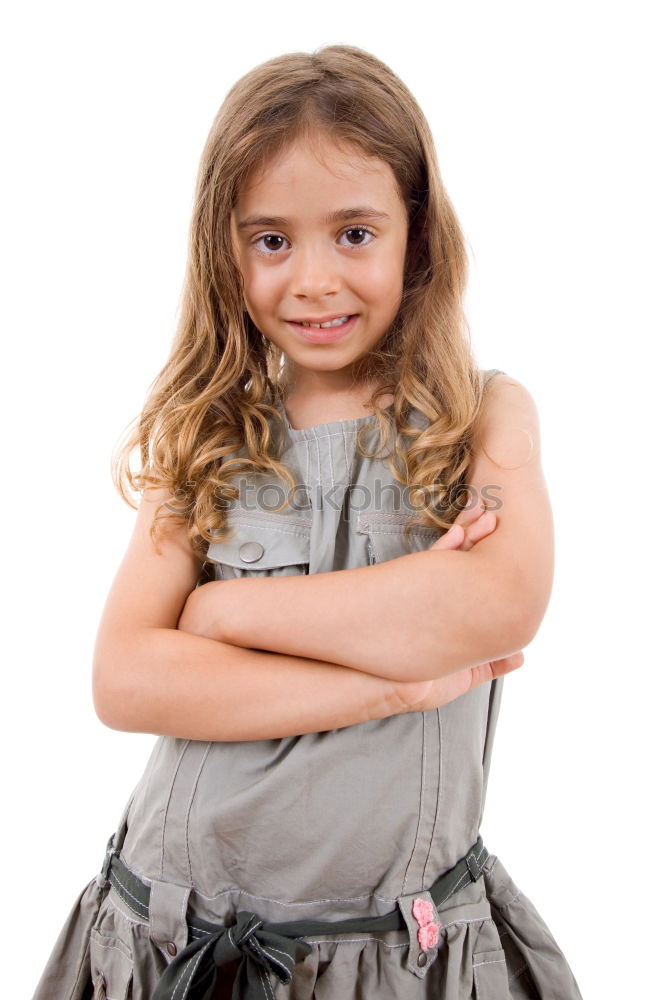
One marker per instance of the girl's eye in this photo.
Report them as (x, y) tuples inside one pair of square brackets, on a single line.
[(355, 233), (271, 242)]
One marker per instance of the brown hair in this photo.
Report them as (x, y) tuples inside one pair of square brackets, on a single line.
[(214, 399)]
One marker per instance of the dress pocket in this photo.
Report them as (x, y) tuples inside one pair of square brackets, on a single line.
[(389, 536), (110, 967), (491, 981), (262, 544)]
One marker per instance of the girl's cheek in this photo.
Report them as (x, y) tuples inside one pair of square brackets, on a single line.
[(381, 278), (259, 284)]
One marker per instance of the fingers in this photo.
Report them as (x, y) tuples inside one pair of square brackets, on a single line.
[(471, 512), (507, 664), (425, 695), (459, 530), (464, 538), (454, 537), (484, 672), (482, 526)]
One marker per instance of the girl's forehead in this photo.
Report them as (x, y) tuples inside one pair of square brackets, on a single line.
[(318, 168)]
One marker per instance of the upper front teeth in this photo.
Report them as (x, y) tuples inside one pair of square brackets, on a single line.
[(333, 322)]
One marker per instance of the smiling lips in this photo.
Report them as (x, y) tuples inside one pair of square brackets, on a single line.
[(325, 330), (325, 322)]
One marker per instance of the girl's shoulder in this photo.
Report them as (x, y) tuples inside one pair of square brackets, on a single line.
[(499, 383), (507, 404), (489, 373)]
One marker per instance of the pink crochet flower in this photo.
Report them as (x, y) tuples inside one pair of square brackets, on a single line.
[(429, 936), (422, 910), (429, 928)]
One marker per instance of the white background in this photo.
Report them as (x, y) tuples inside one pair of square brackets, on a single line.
[(547, 122)]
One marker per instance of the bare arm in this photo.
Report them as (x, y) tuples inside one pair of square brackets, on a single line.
[(387, 619), (148, 676), (177, 684), (426, 614)]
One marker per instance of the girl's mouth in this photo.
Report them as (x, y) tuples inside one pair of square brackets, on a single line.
[(324, 334)]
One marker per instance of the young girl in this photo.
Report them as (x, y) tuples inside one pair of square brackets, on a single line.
[(315, 611)]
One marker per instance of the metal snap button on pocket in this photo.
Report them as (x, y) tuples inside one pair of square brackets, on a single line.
[(251, 551), (422, 959)]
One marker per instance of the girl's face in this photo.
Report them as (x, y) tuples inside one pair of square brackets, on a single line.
[(321, 235)]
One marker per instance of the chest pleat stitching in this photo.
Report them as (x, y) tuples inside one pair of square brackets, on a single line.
[(347, 464), (330, 459), (319, 483), (315, 460)]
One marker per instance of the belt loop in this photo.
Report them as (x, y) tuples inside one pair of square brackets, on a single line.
[(167, 916), (114, 846), (103, 876), (420, 915), (476, 859)]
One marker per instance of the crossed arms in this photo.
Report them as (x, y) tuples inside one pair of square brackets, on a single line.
[(226, 660)]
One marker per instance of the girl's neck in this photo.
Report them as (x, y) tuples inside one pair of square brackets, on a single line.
[(307, 409)]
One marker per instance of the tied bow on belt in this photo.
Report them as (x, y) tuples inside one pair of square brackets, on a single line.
[(193, 973)]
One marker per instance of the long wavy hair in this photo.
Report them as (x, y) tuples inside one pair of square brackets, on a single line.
[(210, 414)]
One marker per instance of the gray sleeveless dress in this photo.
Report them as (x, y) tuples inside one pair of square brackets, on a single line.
[(327, 826)]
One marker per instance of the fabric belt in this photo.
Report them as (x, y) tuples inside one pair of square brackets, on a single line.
[(263, 948)]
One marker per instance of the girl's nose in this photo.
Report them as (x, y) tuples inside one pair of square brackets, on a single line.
[(314, 274)]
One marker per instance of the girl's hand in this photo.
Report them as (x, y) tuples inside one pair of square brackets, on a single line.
[(421, 696), (471, 525)]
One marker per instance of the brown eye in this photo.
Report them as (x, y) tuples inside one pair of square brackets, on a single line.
[(269, 245), (357, 236), (275, 245)]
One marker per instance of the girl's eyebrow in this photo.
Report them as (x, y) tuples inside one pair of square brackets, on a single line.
[(342, 215)]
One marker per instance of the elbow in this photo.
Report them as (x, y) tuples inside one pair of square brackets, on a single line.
[(534, 587), (529, 613), (106, 700), (111, 697), (523, 632), (121, 682)]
